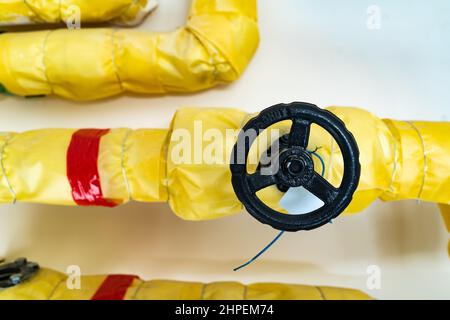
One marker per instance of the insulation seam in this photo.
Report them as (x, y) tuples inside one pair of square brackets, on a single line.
[(32, 10), (124, 10), (2, 164), (212, 60), (202, 294), (44, 44), (156, 63), (55, 288), (394, 169), (140, 16), (425, 166), (122, 164), (322, 295), (138, 289), (113, 60), (166, 150), (198, 34), (38, 15)]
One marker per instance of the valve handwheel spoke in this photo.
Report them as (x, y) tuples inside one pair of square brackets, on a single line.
[(296, 167), (260, 181), (321, 188), (299, 134)]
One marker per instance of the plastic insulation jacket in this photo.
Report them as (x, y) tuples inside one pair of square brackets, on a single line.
[(51, 285), (214, 47), (399, 160), (17, 12)]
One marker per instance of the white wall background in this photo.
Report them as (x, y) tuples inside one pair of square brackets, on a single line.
[(315, 51)]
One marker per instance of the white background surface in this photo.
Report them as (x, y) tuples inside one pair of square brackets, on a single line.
[(316, 51)]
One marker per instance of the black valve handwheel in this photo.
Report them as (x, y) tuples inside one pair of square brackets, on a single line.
[(296, 167)]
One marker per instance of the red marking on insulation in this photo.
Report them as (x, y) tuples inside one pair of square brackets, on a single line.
[(114, 287), (82, 169)]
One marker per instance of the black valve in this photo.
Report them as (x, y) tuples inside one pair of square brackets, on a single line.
[(295, 166), (17, 272)]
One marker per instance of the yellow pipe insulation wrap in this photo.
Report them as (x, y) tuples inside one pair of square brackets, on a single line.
[(17, 12), (52, 285), (399, 160), (215, 46)]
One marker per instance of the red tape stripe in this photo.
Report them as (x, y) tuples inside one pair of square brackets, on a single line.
[(82, 169), (114, 287)]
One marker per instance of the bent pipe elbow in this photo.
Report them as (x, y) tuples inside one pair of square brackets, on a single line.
[(91, 64)]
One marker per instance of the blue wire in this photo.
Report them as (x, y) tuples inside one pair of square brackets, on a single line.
[(260, 253), (321, 161), (314, 153)]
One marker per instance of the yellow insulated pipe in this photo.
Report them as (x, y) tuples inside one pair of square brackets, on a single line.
[(399, 160), (215, 46), (20, 12), (51, 285)]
